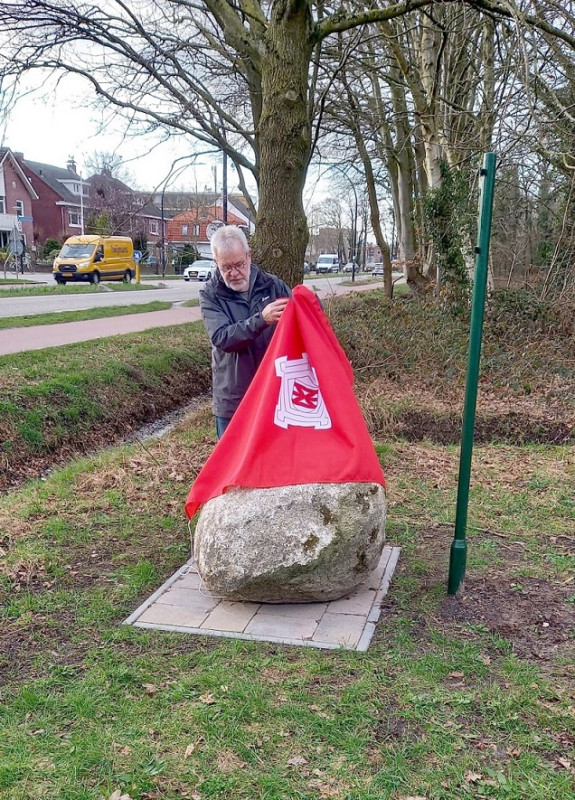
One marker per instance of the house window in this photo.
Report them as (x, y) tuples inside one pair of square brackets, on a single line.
[(184, 230), (19, 208), (154, 227), (2, 205), (196, 230), (73, 218)]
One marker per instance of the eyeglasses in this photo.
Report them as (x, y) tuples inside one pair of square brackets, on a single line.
[(238, 267)]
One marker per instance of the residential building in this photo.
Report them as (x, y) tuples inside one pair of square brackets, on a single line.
[(125, 212), (16, 198), (61, 199), (206, 202), (197, 225)]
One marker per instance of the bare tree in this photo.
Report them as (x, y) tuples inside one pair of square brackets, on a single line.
[(242, 76)]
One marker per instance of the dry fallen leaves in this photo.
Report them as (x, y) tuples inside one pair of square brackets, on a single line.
[(297, 761), (190, 748), (117, 795)]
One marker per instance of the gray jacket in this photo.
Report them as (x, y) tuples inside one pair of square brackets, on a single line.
[(238, 333)]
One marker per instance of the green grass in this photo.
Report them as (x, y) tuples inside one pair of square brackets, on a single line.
[(434, 709), (52, 401), (455, 698), (75, 316), (35, 290), (162, 277)]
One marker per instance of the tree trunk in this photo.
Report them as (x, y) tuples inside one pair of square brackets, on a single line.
[(284, 143)]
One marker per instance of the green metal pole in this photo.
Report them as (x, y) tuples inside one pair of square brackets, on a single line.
[(458, 555)]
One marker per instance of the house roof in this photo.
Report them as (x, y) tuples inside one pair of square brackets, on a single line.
[(238, 201), (104, 180), (53, 177), (5, 153), (202, 216), (150, 210), (178, 202)]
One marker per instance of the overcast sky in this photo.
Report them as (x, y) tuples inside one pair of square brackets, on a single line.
[(53, 123), (59, 119)]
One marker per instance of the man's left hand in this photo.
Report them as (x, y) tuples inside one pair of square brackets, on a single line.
[(273, 311)]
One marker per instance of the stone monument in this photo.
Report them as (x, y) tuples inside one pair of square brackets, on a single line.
[(290, 544)]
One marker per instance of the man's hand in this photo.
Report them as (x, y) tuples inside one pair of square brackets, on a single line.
[(273, 311)]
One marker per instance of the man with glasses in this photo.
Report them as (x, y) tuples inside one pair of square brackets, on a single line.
[(240, 305)]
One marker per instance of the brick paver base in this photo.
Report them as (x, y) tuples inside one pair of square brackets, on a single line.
[(184, 606)]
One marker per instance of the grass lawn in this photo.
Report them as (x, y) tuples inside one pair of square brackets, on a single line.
[(75, 316), (162, 277), (33, 290), (465, 697)]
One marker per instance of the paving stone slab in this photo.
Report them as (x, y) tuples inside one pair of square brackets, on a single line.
[(183, 605)]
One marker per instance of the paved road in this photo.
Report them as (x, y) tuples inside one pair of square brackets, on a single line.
[(11, 305), (38, 337)]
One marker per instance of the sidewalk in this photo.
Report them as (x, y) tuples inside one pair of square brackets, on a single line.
[(38, 337)]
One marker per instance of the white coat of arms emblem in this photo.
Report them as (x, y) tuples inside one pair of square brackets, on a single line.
[(300, 401)]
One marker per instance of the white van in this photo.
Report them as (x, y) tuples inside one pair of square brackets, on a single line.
[(328, 262)]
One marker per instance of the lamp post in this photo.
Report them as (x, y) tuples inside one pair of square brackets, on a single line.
[(225, 188), (82, 207), (354, 221), (173, 173)]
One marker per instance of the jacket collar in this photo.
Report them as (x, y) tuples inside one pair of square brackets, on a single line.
[(256, 276)]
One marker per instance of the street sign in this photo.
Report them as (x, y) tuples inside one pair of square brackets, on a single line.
[(137, 255), (25, 219), (17, 247)]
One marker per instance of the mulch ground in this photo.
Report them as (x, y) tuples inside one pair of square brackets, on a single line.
[(536, 616)]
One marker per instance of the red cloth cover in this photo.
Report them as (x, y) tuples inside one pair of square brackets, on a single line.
[(299, 421)]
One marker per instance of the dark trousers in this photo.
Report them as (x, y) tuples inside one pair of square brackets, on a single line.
[(221, 424)]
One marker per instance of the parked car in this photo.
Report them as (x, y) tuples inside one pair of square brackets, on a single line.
[(351, 267), (328, 262), (377, 271), (305, 268), (199, 271)]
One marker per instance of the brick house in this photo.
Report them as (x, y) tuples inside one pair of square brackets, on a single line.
[(196, 226), (17, 195), (130, 213), (61, 201)]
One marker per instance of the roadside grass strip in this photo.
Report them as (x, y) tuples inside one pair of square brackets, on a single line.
[(54, 317), (24, 289)]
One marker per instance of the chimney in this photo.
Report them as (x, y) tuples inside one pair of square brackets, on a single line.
[(71, 164)]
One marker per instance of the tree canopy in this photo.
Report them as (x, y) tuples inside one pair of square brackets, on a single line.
[(257, 79)]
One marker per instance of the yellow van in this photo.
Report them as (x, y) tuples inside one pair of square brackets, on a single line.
[(95, 258)]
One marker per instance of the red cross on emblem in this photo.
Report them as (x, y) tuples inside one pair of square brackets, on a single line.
[(304, 396)]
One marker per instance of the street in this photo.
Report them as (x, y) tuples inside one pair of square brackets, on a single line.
[(175, 291)]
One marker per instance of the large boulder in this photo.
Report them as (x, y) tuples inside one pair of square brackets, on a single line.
[(290, 544)]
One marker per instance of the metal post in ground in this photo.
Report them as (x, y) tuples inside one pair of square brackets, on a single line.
[(458, 555)]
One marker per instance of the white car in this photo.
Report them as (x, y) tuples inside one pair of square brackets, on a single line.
[(200, 271), (377, 271)]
